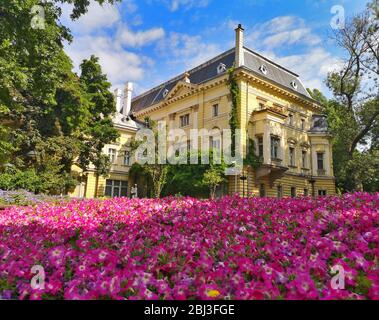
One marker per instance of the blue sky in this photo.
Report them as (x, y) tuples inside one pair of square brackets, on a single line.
[(149, 42)]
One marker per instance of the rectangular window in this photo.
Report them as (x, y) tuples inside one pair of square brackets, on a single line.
[(279, 192), (292, 156), (116, 188), (127, 157), (302, 124), (275, 143), (215, 110), (320, 161), (215, 143), (260, 147), (184, 120), (306, 192), (112, 155), (322, 193), (262, 190), (293, 192), (304, 159), (290, 119)]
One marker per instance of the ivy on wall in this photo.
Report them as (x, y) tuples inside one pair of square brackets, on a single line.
[(236, 98), (252, 159)]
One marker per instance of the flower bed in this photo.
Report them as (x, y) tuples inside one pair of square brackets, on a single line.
[(26, 198), (188, 249)]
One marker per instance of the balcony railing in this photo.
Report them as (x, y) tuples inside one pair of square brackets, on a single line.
[(305, 171), (277, 162), (321, 172)]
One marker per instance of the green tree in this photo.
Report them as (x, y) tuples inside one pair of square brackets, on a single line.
[(99, 131), (154, 173), (353, 113), (41, 99), (213, 178), (187, 179)]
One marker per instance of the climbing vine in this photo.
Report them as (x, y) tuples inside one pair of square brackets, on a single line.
[(252, 159), (235, 97)]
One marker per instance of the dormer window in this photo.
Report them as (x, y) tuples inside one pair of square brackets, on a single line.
[(294, 85), (221, 68), (165, 93), (263, 69)]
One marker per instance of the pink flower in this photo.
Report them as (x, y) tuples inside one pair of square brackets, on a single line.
[(230, 248)]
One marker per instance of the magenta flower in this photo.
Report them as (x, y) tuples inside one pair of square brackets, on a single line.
[(231, 248)]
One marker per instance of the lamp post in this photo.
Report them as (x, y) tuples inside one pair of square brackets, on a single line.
[(243, 178), (312, 181), (235, 176)]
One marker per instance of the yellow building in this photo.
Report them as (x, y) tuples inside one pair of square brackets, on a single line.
[(275, 111), (118, 183)]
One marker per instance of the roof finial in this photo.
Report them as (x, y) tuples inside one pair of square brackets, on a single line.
[(186, 77)]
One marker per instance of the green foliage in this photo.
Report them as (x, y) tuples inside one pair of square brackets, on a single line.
[(30, 180), (251, 159), (188, 179), (236, 98), (155, 174), (352, 171), (45, 108), (353, 113), (213, 178), (99, 131)]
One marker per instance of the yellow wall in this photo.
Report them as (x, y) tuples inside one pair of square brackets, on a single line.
[(118, 170), (198, 104)]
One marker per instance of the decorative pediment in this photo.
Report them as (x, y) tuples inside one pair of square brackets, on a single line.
[(182, 88), (292, 141)]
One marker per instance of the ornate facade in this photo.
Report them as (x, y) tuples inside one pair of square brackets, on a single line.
[(275, 111)]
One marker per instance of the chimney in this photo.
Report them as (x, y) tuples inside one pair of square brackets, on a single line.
[(127, 98), (240, 59), (118, 98)]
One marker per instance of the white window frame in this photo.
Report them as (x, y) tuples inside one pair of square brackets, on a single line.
[(292, 156), (127, 158), (114, 185), (184, 120), (215, 110), (112, 154), (304, 160)]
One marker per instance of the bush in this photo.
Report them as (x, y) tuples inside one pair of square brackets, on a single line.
[(47, 182)]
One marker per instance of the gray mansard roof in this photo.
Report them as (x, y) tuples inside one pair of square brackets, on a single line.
[(208, 70)]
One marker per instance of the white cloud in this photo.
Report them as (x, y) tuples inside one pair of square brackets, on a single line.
[(282, 30), (187, 51), (119, 65), (140, 38), (174, 5), (130, 6), (313, 61), (98, 17), (301, 35), (312, 66)]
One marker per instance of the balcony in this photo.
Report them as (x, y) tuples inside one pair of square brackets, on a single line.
[(321, 172), (275, 108), (305, 171), (276, 162)]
